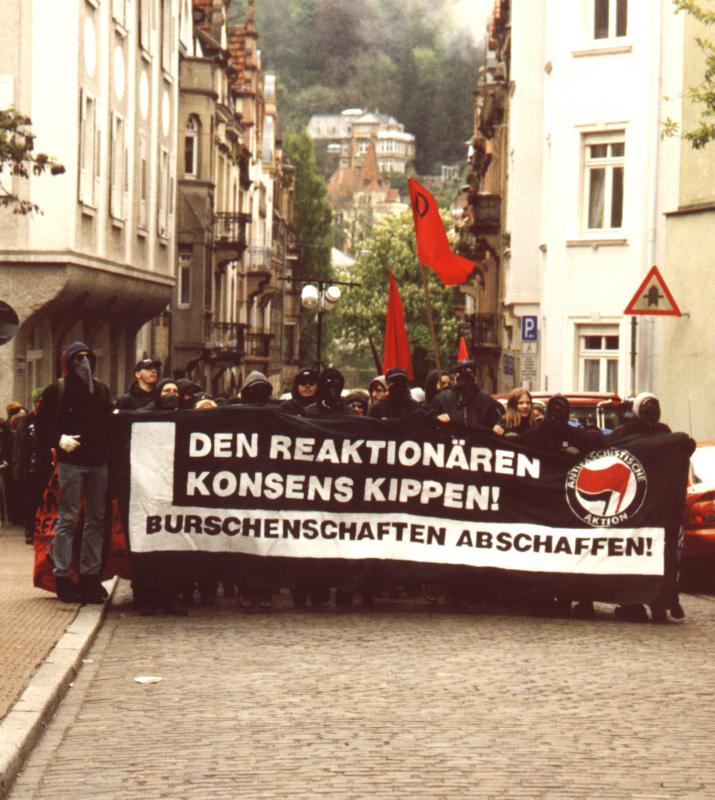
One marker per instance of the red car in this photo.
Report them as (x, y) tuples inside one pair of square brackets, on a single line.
[(601, 409), (698, 567)]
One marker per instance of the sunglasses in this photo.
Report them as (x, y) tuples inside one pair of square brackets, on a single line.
[(307, 382)]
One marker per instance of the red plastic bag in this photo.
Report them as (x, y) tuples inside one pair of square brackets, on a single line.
[(116, 554)]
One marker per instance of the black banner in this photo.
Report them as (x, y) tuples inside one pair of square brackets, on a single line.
[(286, 494)]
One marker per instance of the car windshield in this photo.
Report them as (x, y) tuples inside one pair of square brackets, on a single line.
[(702, 463)]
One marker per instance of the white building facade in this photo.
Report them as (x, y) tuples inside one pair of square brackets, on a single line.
[(590, 179), (100, 82)]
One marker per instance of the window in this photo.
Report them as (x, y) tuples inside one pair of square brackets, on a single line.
[(604, 159), (119, 11), (163, 204), (184, 278), (289, 341), (145, 25), (88, 148), (610, 18), (143, 178), (191, 148), (598, 359), (117, 168), (167, 35)]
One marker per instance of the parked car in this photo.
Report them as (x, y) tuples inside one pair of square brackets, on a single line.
[(600, 409), (698, 566)]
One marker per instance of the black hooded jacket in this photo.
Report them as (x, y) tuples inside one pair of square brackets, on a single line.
[(72, 410), (297, 404), (133, 399), (471, 407)]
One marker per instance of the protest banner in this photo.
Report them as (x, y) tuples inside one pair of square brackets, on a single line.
[(287, 493)]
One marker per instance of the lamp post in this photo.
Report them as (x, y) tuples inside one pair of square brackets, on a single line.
[(320, 295)]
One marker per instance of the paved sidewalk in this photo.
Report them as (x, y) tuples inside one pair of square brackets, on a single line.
[(31, 620), (42, 644)]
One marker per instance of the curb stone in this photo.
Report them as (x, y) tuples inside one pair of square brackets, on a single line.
[(27, 719)]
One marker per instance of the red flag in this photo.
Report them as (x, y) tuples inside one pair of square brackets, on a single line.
[(397, 347), (463, 352), (432, 244)]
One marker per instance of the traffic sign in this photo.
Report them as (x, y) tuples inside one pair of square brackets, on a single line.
[(653, 297), (529, 328)]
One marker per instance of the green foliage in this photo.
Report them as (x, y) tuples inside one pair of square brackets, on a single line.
[(312, 218), (704, 93), (407, 58), (362, 310), (18, 159)]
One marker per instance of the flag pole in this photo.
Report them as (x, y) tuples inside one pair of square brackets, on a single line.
[(430, 320)]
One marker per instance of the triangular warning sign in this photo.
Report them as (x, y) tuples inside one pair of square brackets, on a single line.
[(653, 297)]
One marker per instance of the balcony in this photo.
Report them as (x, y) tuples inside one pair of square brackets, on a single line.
[(485, 212), (483, 330), (258, 269), (229, 232), (227, 342), (257, 345)]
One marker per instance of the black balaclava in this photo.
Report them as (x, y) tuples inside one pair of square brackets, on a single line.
[(169, 402), (398, 386), (330, 387), (466, 375), (557, 413)]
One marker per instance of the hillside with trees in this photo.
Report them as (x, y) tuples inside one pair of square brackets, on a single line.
[(408, 58)]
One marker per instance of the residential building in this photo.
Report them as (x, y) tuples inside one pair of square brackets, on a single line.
[(100, 83), (342, 141), (589, 180), (481, 228), (235, 233), (360, 197), (685, 344)]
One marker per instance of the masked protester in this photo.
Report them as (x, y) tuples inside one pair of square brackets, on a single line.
[(256, 390), (556, 435), (303, 392), (645, 421), (328, 399), (74, 415), (398, 402), (465, 403), (165, 396), (189, 393)]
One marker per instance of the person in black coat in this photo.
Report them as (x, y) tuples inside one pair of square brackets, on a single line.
[(556, 435), (74, 416), (328, 398), (465, 402), (303, 391), (138, 395), (645, 421), (398, 402)]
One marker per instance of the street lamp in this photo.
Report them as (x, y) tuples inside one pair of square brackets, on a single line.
[(323, 297)]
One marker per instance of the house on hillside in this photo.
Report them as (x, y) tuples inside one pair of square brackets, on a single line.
[(341, 141), (360, 197)]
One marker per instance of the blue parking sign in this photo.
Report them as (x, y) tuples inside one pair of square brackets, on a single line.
[(529, 328)]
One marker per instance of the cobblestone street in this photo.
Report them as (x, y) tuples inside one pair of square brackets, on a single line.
[(407, 701)]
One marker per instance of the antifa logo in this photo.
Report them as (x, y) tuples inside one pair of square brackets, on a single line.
[(606, 489), (608, 485), (421, 205)]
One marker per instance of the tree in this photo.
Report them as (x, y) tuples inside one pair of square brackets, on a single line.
[(18, 159), (360, 315), (704, 93), (312, 218)]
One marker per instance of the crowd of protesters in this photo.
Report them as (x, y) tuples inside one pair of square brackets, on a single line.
[(70, 421)]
